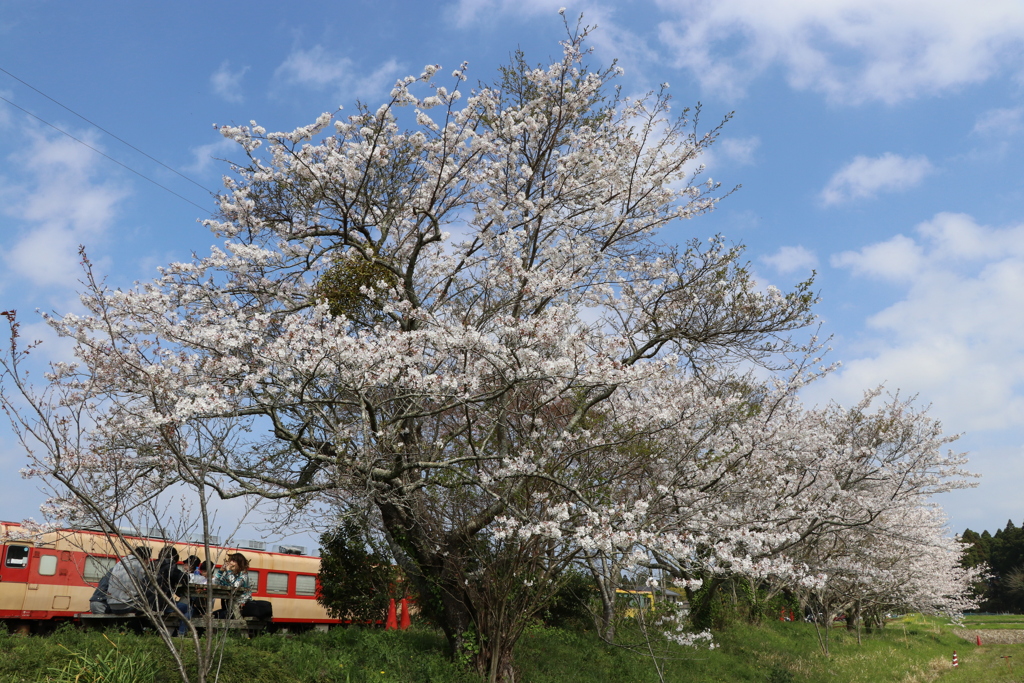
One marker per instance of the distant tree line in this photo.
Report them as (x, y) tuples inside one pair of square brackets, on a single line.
[(1003, 553)]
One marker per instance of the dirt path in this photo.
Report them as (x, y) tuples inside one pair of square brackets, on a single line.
[(991, 636)]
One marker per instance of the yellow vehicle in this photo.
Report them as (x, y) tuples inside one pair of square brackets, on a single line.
[(634, 601)]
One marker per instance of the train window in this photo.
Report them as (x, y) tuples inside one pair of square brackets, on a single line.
[(17, 556), (254, 581), (305, 585), (47, 565), (96, 568), (277, 583)]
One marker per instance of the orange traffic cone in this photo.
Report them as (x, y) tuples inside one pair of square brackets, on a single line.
[(392, 623), (977, 637), (405, 615)]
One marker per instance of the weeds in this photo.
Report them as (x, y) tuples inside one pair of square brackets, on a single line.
[(113, 666), (772, 653)]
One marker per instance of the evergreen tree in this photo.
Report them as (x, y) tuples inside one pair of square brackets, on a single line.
[(356, 581), (1003, 552), (978, 548)]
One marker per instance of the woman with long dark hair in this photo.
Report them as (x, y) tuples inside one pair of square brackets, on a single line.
[(235, 574)]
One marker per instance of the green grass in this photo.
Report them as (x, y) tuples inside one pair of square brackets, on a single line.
[(994, 621), (772, 653), (986, 664), (986, 622), (913, 649), (349, 656)]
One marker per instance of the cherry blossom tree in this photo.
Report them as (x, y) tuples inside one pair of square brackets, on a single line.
[(122, 485), (470, 327), (881, 543), (833, 503)]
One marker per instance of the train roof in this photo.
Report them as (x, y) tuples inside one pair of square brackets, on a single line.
[(160, 536)]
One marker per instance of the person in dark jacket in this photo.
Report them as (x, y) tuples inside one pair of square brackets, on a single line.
[(169, 578), (98, 601), (170, 582)]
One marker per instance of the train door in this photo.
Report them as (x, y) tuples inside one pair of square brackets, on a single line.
[(14, 560)]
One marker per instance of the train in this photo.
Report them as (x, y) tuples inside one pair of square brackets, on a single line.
[(48, 578)]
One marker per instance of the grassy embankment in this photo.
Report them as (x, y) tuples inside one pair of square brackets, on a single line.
[(914, 649)]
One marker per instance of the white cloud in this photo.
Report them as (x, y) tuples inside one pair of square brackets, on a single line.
[(227, 84), (739, 150), (864, 177), (999, 122), (612, 39), (46, 256), (898, 258), (792, 259), (850, 50), (315, 68), (51, 194), (206, 155), (468, 12), (319, 69), (954, 336), (957, 237)]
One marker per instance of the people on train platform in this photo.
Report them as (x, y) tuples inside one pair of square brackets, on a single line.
[(128, 584)]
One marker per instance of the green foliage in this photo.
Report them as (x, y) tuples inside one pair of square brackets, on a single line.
[(570, 606), (470, 648), (754, 654), (356, 582), (111, 666), (779, 674), (707, 606), (773, 653), (725, 601), (350, 287), (1004, 554), (977, 549)]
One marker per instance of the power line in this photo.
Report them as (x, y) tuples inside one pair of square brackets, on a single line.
[(59, 130), (124, 142)]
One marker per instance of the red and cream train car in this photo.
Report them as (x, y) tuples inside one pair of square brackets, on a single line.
[(49, 578)]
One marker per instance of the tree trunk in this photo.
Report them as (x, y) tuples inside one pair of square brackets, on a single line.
[(462, 593), (606, 576), (702, 603), (608, 618), (853, 616), (606, 589)]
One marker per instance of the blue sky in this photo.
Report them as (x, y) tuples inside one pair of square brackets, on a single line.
[(876, 141)]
